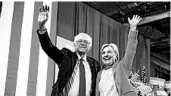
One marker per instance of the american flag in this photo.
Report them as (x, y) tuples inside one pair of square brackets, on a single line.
[(25, 69), (143, 75), (135, 76), (144, 89)]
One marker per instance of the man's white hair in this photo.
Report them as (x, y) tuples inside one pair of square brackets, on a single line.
[(83, 36)]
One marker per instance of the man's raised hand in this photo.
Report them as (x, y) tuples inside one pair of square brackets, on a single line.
[(43, 16)]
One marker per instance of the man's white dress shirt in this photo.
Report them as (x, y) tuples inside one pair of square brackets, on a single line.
[(74, 91)]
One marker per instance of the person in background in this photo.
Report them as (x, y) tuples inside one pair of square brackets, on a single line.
[(77, 71), (112, 80)]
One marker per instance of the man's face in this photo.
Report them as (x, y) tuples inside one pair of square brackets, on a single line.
[(82, 45), (108, 55)]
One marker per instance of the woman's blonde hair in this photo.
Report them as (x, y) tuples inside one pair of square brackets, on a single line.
[(114, 47)]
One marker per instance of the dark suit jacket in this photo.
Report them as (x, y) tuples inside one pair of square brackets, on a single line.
[(66, 61)]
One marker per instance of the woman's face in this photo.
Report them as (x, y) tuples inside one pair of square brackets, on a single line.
[(108, 55)]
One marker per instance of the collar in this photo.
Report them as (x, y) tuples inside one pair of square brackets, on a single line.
[(84, 58)]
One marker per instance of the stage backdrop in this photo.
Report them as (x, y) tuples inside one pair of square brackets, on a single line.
[(26, 70)]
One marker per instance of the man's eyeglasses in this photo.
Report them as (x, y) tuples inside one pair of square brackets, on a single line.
[(82, 41)]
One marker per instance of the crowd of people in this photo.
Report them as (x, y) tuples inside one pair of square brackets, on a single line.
[(155, 87)]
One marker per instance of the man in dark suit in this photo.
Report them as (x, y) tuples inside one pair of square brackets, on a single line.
[(77, 71)]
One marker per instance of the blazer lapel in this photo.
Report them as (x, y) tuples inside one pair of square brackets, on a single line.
[(90, 62), (74, 59), (93, 72)]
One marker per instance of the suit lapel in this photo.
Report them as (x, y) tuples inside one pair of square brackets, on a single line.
[(90, 62), (74, 59), (93, 72)]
